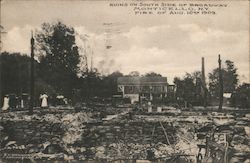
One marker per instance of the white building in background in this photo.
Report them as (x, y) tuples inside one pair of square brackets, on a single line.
[(143, 88)]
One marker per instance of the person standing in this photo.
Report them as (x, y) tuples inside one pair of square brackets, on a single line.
[(44, 99), (6, 103), (21, 103)]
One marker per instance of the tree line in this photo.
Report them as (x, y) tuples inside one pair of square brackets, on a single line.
[(190, 89), (57, 71)]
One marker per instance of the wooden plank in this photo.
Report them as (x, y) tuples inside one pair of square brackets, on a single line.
[(165, 133)]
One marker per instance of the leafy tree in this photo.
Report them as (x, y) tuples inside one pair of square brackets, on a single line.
[(179, 87), (15, 76), (194, 75), (186, 88), (110, 82), (214, 82), (134, 73), (229, 76), (59, 57), (241, 97), (14, 69), (94, 82), (153, 74)]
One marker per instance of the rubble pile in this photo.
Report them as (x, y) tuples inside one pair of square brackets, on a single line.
[(32, 134), (131, 132), (74, 125), (109, 135)]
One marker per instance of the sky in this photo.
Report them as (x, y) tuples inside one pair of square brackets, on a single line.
[(167, 44)]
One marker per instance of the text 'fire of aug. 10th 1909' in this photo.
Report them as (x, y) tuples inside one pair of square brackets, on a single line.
[(176, 8)]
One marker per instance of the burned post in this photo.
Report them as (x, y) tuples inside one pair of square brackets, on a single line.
[(2, 31), (220, 86), (32, 41)]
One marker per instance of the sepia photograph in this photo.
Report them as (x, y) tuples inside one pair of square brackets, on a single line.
[(125, 81)]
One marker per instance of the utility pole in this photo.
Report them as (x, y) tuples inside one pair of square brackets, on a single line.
[(91, 63), (32, 41), (220, 86), (1, 45)]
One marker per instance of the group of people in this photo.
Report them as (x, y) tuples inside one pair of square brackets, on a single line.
[(14, 102)]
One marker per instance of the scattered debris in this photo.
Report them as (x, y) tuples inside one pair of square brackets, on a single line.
[(110, 134)]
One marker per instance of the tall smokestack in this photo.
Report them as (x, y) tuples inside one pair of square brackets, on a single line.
[(203, 81), (203, 71)]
